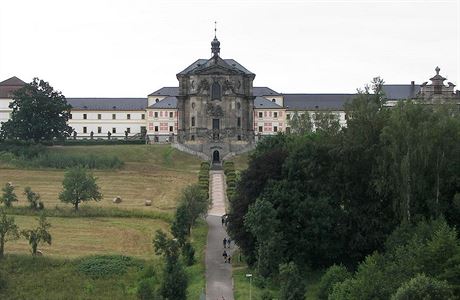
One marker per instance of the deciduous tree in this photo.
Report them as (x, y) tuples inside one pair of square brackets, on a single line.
[(8, 196), (8, 230), (39, 113), (38, 235), (79, 186)]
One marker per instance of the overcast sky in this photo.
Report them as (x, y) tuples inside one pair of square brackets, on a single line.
[(129, 48)]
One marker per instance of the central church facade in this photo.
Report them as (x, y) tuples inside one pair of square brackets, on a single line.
[(215, 107)]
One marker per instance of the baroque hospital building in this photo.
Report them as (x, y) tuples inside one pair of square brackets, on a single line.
[(215, 111)]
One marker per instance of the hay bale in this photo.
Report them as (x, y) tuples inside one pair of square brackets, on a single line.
[(148, 202), (117, 199)]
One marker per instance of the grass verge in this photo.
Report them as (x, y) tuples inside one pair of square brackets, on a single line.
[(196, 273)]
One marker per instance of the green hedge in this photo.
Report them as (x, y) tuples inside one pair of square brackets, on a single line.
[(203, 177)]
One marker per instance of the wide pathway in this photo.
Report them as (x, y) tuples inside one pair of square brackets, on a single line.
[(218, 273)]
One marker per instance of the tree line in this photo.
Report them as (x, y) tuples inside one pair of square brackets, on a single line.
[(335, 195)]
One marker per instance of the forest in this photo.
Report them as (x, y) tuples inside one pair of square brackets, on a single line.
[(376, 204)]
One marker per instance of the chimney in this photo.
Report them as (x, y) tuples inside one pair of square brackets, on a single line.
[(412, 83)]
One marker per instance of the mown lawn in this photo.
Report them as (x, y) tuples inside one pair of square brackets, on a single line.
[(74, 237), (150, 172)]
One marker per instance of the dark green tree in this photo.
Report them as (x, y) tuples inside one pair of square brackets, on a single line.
[(39, 113), (262, 222), (174, 284), (8, 196), (79, 186), (265, 164), (180, 225), (195, 203), (8, 231), (38, 235)]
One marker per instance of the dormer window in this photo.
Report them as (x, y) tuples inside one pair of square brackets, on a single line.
[(216, 93), (157, 100)]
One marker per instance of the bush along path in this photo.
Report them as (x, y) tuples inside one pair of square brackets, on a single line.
[(218, 272)]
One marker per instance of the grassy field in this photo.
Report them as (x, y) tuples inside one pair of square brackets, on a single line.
[(74, 237), (57, 276), (150, 172)]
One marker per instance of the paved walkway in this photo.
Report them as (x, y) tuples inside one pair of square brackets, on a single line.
[(218, 273)]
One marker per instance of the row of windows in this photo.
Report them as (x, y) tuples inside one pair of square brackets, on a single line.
[(171, 128), (261, 129), (99, 130), (156, 114), (269, 114), (114, 116)]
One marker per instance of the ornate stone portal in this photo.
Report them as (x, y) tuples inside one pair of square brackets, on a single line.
[(215, 106)]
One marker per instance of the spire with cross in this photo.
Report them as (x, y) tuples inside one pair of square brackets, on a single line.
[(215, 44)]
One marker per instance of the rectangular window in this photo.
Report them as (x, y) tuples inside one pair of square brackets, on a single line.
[(85, 116), (275, 114), (114, 130), (99, 116), (260, 128), (288, 116), (114, 116), (238, 123), (85, 130), (156, 128), (171, 114), (171, 128), (143, 116), (275, 128), (128, 117), (128, 130), (99, 130), (260, 114), (193, 121), (156, 114)]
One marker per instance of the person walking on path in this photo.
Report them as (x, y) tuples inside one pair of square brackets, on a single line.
[(225, 255), (223, 221), (228, 242), (224, 242)]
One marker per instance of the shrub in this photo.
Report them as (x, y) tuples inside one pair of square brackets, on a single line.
[(105, 265), (333, 275), (145, 290), (205, 165)]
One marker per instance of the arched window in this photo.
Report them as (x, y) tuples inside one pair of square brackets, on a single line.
[(273, 100), (157, 100), (193, 121), (216, 93), (238, 105), (193, 105)]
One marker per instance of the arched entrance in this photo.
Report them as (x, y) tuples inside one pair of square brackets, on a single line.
[(215, 157)]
